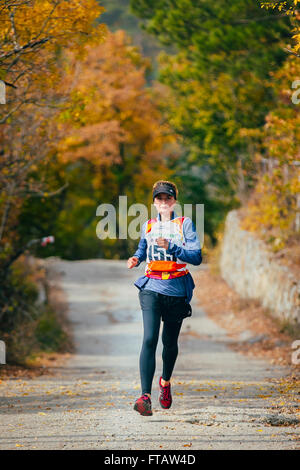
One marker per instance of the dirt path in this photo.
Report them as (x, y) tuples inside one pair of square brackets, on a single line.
[(222, 399)]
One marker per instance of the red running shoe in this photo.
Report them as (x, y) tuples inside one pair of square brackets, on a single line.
[(143, 405), (165, 397)]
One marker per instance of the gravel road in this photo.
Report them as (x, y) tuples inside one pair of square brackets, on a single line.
[(221, 399)]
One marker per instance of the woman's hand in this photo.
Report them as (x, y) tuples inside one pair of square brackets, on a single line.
[(162, 243), (131, 262)]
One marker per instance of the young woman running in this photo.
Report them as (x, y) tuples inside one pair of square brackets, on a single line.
[(167, 243)]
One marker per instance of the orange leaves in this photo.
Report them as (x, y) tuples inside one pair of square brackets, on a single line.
[(83, 99), (97, 142), (33, 37), (111, 115)]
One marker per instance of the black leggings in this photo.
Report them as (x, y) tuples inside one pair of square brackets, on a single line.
[(154, 307)]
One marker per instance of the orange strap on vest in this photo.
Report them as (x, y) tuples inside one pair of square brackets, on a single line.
[(166, 266), (165, 274)]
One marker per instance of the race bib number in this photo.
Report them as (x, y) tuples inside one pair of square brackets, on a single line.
[(156, 253)]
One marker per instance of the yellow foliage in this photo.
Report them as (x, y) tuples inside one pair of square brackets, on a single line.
[(33, 34), (291, 9), (274, 204), (112, 118)]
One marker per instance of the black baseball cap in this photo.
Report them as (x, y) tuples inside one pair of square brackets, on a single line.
[(164, 188)]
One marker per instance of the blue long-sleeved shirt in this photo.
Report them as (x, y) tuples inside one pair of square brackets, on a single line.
[(181, 286)]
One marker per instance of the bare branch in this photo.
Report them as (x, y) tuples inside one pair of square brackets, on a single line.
[(9, 84), (6, 209), (30, 44), (46, 21), (4, 119), (53, 193), (261, 18), (291, 52), (13, 27)]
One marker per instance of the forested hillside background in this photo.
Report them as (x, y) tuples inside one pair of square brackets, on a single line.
[(119, 15)]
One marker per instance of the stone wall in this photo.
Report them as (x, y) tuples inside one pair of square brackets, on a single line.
[(247, 266)]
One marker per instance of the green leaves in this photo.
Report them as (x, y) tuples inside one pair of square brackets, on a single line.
[(219, 80)]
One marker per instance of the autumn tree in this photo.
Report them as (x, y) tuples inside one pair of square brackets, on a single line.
[(32, 37), (114, 134), (274, 208)]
